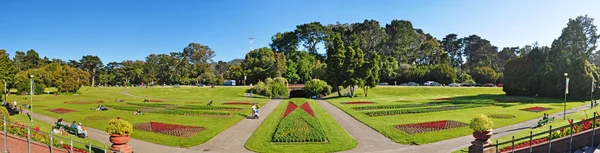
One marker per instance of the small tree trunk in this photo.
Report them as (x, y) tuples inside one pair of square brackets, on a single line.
[(366, 91), (338, 91)]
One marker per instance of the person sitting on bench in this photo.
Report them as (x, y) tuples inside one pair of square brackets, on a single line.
[(59, 121), (81, 130), (74, 125), (545, 117), (138, 112)]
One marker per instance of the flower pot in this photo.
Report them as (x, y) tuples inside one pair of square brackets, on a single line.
[(484, 136), (119, 139)]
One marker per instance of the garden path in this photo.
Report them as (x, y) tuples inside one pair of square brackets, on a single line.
[(101, 136), (372, 141), (234, 138)]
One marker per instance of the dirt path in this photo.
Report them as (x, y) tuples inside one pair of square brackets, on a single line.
[(368, 139), (234, 138)]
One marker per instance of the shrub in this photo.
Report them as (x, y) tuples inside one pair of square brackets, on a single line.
[(481, 123), (443, 73), (484, 75), (259, 88), (279, 90), (4, 112), (315, 87), (268, 81), (470, 81), (117, 126), (280, 80)]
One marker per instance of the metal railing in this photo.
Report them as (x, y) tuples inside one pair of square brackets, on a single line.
[(48, 138), (548, 134)]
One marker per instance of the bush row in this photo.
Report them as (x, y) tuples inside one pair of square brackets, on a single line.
[(423, 110)]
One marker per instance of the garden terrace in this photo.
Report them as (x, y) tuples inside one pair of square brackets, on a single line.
[(417, 107)]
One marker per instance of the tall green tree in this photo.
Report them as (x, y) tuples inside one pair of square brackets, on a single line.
[(311, 34), (32, 60), (263, 63), (7, 69), (452, 44), (335, 62), (91, 64), (19, 61)]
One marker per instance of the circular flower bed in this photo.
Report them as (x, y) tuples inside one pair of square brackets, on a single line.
[(238, 103), (84, 102), (97, 118), (535, 109), (501, 116), (61, 110), (358, 102)]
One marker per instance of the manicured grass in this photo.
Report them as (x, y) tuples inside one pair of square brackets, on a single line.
[(46, 128), (450, 97), (176, 96), (338, 138)]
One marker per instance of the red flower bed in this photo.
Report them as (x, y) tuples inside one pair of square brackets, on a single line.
[(75, 150), (84, 102), (307, 109), (524, 144), (237, 103), (169, 129), (290, 107), (443, 99), (535, 109), (61, 110), (429, 126), (358, 102)]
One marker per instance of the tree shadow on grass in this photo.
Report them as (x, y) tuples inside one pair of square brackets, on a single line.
[(496, 99)]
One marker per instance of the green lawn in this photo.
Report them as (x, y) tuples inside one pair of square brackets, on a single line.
[(338, 138), (194, 96), (44, 127), (457, 96)]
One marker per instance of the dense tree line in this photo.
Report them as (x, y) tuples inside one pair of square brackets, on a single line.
[(355, 55), (541, 70)]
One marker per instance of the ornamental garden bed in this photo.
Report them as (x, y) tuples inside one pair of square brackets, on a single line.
[(429, 126), (238, 103), (61, 110), (97, 118), (501, 116), (394, 106), (423, 110), (84, 102), (172, 111), (535, 109), (358, 102), (193, 107), (169, 129), (299, 125), (192, 102), (150, 100)]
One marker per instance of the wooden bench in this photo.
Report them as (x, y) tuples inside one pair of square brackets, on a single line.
[(73, 131), (545, 121)]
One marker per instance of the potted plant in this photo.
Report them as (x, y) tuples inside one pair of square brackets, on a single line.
[(482, 127), (119, 131)]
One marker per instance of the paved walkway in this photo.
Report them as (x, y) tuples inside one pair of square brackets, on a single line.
[(234, 138), (101, 136), (367, 138)]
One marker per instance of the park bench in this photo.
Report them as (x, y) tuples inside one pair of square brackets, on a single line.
[(67, 128), (545, 121)]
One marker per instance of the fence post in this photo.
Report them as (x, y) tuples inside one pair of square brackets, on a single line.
[(594, 129), (482, 147), (90, 146), (104, 148), (496, 145), (530, 141), (513, 144), (51, 139), (28, 139), (5, 135), (550, 140), (71, 141), (571, 138)]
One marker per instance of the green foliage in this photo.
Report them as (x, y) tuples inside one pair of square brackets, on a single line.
[(281, 80), (279, 90), (4, 113), (443, 73), (7, 69), (119, 126), (470, 81), (484, 75), (393, 106), (481, 123), (316, 87), (262, 63)]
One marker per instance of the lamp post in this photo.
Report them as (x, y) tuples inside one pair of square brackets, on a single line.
[(31, 98), (566, 92)]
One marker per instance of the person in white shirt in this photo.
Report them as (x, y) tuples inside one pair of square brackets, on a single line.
[(81, 131), (15, 103)]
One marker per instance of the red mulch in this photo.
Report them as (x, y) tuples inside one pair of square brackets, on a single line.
[(443, 99), (290, 107), (535, 109), (429, 126), (62, 110), (358, 102), (307, 109), (84, 102), (169, 129), (238, 103)]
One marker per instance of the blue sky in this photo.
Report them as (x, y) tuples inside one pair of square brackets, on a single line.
[(117, 30)]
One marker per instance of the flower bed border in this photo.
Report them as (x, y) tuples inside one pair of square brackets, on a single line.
[(424, 127), (84, 102), (357, 102), (183, 131), (61, 110), (238, 103), (535, 109)]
